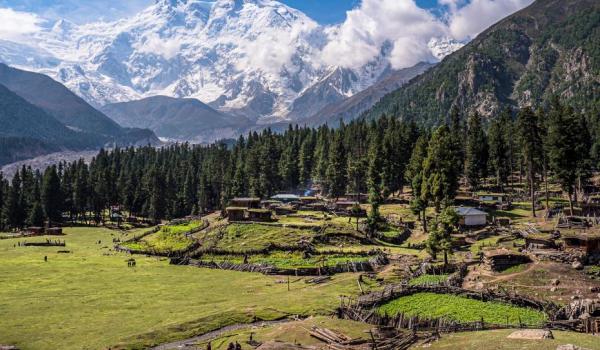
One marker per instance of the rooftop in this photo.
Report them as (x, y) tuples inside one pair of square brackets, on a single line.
[(467, 211)]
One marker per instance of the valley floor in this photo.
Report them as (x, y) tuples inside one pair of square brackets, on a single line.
[(91, 299)]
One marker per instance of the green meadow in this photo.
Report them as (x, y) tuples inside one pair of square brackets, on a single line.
[(91, 299)]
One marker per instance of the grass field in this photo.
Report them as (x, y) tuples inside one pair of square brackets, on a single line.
[(88, 300), (460, 309), (496, 340)]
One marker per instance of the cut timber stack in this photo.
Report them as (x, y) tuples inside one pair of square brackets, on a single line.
[(338, 341)]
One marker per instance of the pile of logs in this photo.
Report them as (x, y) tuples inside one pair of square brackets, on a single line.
[(338, 341)]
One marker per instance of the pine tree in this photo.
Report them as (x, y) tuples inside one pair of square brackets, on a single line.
[(568, 148), (52, 198), (336, 169), (441, 169), (476, 152), (499, 148), (531, 148), (14, 213), (36, 216), (440, 233)]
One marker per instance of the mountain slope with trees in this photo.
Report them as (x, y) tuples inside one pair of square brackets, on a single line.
[(40, 116), (550, 48), (177, 118)]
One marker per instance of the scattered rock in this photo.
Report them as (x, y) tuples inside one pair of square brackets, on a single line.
[(531, 334), (577, 265), (553, 289), (570, 347), (574, 297), (555, 282)]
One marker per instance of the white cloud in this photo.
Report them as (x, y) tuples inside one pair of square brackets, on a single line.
[(400, 22), (270, 51), (153, 43), (468, 21), (409, 29), (15, 25)]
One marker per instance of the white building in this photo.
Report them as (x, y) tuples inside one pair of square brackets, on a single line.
[(471, 216)]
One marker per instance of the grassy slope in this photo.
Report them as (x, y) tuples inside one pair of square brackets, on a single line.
[(293, 332), (86, 300), (460, 309), (496, 340)]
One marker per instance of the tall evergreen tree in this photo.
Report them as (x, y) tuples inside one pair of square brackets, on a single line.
[(531, 148), (52, 198), (476, 153), (336, 169), (441, 169), (499, 148)]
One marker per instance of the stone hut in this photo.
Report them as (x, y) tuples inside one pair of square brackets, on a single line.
[(502, 259), (588, 243)]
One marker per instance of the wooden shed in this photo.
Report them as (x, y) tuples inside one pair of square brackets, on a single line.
[(35, 230), (54, 231), (245, 202), (236, 213), (540, 241), (263, 215)]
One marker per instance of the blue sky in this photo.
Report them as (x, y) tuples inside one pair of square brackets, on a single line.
[(323, 11)]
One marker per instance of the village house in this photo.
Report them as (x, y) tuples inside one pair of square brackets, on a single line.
[(38, 231), (286, 198), (248, 203), (471, 217), (261, 215), (236, 213)]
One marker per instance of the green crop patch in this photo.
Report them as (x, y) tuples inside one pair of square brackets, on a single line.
[(460, 309), (428, 279), (241, 238), (170, 238)]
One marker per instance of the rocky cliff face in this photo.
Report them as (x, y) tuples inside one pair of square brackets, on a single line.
[(549, 48)]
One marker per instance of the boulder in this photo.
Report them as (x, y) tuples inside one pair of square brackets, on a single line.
[(531, 334), (577, 265)]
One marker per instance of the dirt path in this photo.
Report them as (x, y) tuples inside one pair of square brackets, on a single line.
[(513, 275), (190, 343)]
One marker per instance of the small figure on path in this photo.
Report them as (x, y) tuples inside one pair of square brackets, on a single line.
[(230, 346), (46, 258), (208, 346)]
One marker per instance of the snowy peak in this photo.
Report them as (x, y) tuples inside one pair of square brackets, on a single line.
[(256, 58)]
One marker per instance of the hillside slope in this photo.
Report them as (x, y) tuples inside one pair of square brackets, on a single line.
[(176, 118), (57, 100), (549, 48)]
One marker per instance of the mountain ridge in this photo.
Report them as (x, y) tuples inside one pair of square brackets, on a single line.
[(546, 49)]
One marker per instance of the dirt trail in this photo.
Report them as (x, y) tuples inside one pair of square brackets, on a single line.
[(190, 342)]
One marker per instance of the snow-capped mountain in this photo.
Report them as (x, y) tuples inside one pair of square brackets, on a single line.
[(214, 51)]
